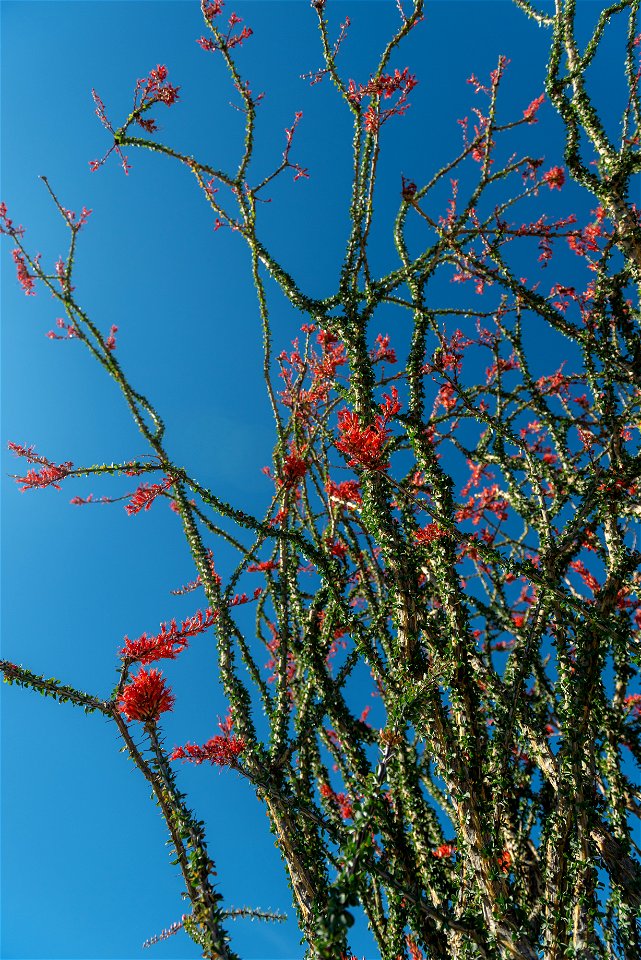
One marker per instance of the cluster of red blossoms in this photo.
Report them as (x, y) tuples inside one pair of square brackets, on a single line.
[(555, 178), (365, 445), (221, 750), (171, 640), (48, 476), (385, 86), (145, 495), (346, 494), (153, 89), (146, 697), (341, 799), (210, 12), (444, 851), (430, 533), (6, 223), (150, 90), (293, 470), (26, 281)]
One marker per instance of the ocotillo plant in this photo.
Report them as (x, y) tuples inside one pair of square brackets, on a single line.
[(445, 519)]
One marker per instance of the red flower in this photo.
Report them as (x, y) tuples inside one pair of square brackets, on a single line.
[(338, 549), (530, 111), (341, 799), (6, 224), (146, 697), (444, 851), (408, 189), (155, 88), (383, 87), (264, 566), (110, 342), (239, 37), (171, 640), (446, 397), (588, 578), (430, 533), (26, 281), (49, 475), (383, 352), (294, 469), (345, 493), (633, 704), (555, 178), (415, 953), (365, 445), (211, 10), (145, 495), (223, 751)]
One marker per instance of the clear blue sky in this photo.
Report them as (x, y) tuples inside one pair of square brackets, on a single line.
[(85, 873)]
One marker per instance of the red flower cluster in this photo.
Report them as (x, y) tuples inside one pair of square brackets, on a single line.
[(365, 445), (322, 368), (589, 579), (556, 384), (529, 113), (444, 851), (383, 353), (145, 495), (294, 469), (50, 474), (222, 750), (449, 355), (110, 342), (415, 953), (26, 281), (346, 493), (154, 89), (150, 90), (47, 477), (384, 86), (430, 533), (146, 697), (6, 223), (264, 566), (71, 331), (77, 224), (338, 549), (487, 499), (446, 397), (633, 704), (341, 799), (408, 189), (555, 178), (212, 10), (170, 641)]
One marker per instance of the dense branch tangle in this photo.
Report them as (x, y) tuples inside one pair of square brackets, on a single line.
[(451, 522)]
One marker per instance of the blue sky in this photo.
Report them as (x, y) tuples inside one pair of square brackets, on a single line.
[(85, 873)]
